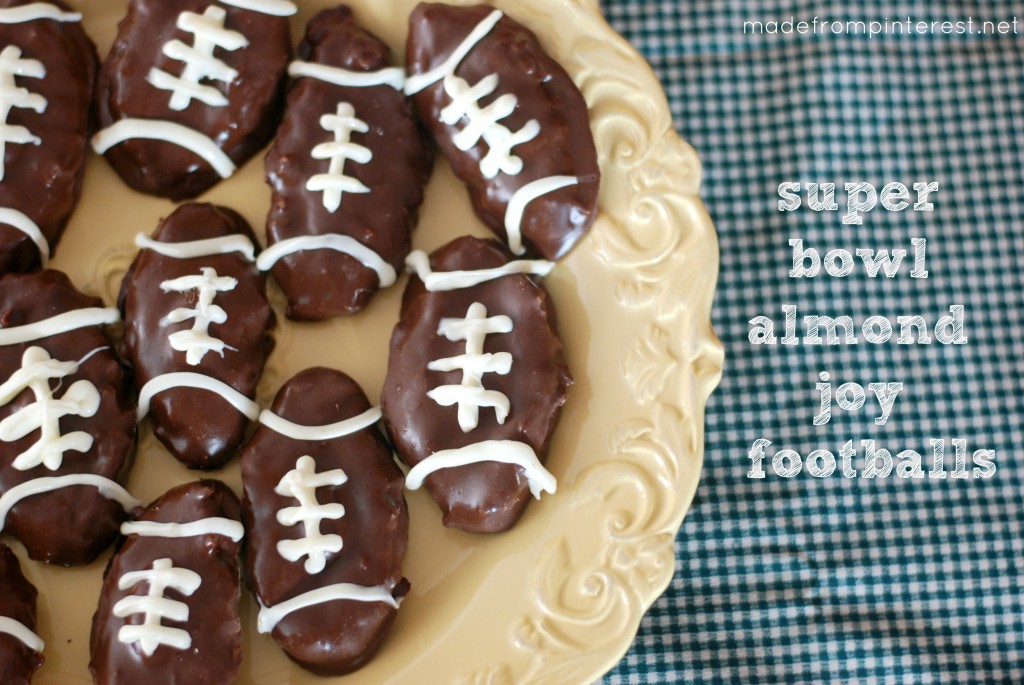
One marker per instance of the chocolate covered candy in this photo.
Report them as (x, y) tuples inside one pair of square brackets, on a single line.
[(67, 430), (190, 90), (168, 609), (21, 649), (347, 172), (510, 121), (197, 331), (476, 378), (47, 73), (327, 523)]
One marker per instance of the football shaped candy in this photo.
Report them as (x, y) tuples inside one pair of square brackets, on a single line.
[(197, 331), (190, 90), (476, 378), (347, 172), (510, 121), (47, 74)]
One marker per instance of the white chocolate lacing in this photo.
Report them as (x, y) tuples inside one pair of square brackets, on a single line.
[(504, 451), (155, 607), (19, 220), (34, 11), (19, 631), (207, 247), (197, 341), (470, 395), (37, 486), (417, 82), (437, 281), (209, 34), (333, 184), (269, 617), (331, 241), (12, 96), (44, 414), (187, 379), (301, 483), (214, 525)]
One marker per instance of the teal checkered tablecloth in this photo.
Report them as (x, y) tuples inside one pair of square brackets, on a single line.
[(837, 580)]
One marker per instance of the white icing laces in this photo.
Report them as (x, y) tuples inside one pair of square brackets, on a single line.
[(342, 124), (482, 123), (11, 96), (150, 634), (505, 451), (437, 281), (269, 617), (21, 633), (81, 399), (470, 395), (302, 483), (197, 341), (209, 34)]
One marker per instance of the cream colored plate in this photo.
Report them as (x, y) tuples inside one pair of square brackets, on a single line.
[(557, 599)]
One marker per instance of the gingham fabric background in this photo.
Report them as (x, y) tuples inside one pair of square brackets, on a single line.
[(837, 580)]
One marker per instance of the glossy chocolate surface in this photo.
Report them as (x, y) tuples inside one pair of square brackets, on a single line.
[(71, 525), (555, 222), (324, 283), (44, 181), (485, 497), (240, 128), (213, 622), (18, 602), (340, 636), (199, 428)]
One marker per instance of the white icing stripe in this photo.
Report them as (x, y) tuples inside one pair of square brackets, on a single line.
[(187, 379), (524, 196), (505, 451), (392, 76), (38, 486), (15, 219), (417, 82), (331, 431), (62, 323), (331, 241), (193, 249), (215, 525), (419, 263), (275, 8), (271, 616), (20, 632), (36, 10), (167, 131)]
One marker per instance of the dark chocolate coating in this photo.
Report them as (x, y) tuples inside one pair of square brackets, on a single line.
[(17, 601), (240, 128), (45, 181), (321, 284), (71, 525), (213, 621), (555, 222), (340, 636), (486, 497), (200, 429)]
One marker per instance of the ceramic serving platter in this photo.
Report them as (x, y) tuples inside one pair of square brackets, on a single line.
[(557, 599)]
